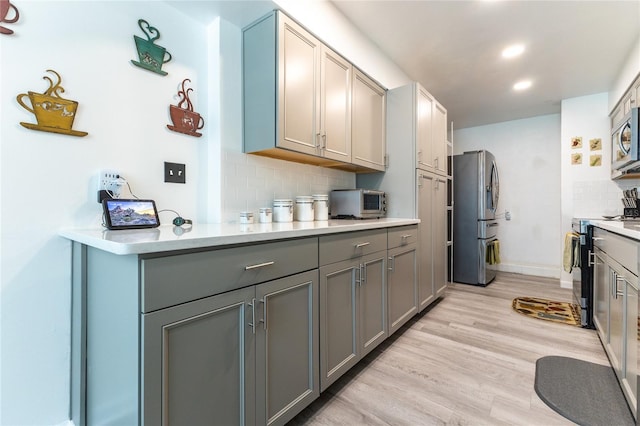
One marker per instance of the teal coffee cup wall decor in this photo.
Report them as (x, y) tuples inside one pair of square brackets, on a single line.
[(151, 56)]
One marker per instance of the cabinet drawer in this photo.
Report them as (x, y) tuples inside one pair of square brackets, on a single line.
[(623, 250), (402, 236), (334, 248), (171, 280)]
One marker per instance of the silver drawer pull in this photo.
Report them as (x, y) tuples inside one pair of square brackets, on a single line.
[(259, 265), (404, 237), (360, 245)]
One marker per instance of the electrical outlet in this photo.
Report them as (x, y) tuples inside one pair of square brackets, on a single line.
[(175, 172), (109, 184)]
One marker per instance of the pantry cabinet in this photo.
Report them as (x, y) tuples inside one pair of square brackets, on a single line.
[(616, 306), (304, 102), (353, 308)]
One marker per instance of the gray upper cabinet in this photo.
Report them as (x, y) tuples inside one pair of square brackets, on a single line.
[(335, 106), (369, 122), (303, 101)]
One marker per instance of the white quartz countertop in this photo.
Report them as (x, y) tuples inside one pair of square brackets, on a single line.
[(170, 238), (626, 228)]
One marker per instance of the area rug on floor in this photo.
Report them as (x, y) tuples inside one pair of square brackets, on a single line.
[(583, 392), (564, 312)]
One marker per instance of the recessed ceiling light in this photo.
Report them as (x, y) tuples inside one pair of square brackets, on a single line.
[(513, 51), (522, 85)]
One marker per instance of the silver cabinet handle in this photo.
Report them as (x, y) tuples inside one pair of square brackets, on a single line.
[(592, 258), (358, 279), (391, 263), (404, 237), (259, 265), (252, 324), (264, 312), (597, 238), (618, 292), (360, 245)]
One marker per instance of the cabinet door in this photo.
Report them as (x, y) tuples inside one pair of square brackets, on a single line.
[(439, 235), (335, 101), (372, 310), (198, 362), (298, 88), (338, 319), (601, 296), (287, 347), (616, 320), (368, 122), (424, 196), (402, 285), (439, 148), (424, 129), (630, 381)]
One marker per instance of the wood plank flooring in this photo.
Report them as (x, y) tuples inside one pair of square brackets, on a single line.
[(468, 360)]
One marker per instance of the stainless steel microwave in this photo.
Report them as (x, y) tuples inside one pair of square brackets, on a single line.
[(625, 144), (357, 203)]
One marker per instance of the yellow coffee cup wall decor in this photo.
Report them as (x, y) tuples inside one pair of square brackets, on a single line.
[(53, 113)]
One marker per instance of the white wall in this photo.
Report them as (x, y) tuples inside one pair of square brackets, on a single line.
[(47, 180), (528, 159)]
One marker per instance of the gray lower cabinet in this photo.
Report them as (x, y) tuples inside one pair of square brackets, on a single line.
[(353, 300), (226, 336), (183, 354), (402, 276), (245, 357), (616, 306)]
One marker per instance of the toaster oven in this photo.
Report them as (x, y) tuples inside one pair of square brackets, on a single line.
[(357, 204)]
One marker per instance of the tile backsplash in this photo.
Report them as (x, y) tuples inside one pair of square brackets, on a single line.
[(601, 197), (251, 181)]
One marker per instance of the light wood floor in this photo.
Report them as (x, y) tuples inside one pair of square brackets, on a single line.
[(468, 360)]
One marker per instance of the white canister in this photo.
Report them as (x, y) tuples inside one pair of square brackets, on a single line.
[(246, 218), (265, 215), (304, 208), (320, 206), (282, 210)]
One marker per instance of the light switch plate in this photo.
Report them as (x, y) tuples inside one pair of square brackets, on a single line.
[(175, 172)]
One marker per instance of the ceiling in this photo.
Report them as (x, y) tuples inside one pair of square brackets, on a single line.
[(572, 48), (453, 47)]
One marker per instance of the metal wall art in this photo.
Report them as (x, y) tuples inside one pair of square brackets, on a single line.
[(5, 7), (151, 56), (53, 113), (185, 120)]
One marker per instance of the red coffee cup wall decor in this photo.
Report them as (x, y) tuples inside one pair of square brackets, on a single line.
[(185, 120), (8, 14), (53, 113)]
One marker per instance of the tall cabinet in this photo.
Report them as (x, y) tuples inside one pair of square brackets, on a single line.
[(416, 180)]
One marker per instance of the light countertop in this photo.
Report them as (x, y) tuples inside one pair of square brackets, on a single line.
[(627, 228), (170, 238)]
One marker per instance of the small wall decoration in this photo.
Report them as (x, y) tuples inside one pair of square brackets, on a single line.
[(185, 120), (576, 159), (595, 144), (595, 160), (151, 56), (53, 113), (576, 142), (5, 7)]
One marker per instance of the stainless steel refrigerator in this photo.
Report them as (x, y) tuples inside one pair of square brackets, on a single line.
[(476, 192)]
